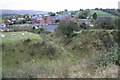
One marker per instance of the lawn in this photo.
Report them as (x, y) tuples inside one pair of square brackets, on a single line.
[(10, 38)]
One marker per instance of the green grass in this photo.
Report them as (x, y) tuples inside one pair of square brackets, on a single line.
[(15, 49), (9, 38), (99, 13), (17, 60), (16, 55)]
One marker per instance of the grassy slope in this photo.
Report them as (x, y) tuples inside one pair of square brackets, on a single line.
[(9, 38), (26, 59), (99, 13), (18, 61), (14, 50), (93, 52)]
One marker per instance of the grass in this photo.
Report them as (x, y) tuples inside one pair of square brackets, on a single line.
[(14, 46), (99, 13), (9, 38), (31, 59), (19, 56)]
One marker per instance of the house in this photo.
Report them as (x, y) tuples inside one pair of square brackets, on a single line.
[(46, 20), (20, 19), (41, 19), (13, 19), (8, 22), (54, 18)]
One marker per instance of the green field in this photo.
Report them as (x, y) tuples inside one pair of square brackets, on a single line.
[(99, 13), (9, 38), (28, 57)]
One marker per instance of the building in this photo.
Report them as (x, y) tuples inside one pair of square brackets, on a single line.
[(20, 19), (41, 19), (8, 22)]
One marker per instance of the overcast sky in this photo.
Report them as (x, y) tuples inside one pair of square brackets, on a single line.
[(57, 5)]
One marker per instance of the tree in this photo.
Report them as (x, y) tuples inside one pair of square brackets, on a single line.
[(57, 20), (83, 14), (66, 28), (117, 22), (96, 9), (66, 10), (95, 16), (81, 10), (51, 13)]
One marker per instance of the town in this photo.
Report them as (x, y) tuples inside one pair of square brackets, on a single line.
[(44, 19)]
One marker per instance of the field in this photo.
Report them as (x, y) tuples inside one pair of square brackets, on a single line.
[(43, 55), (99, 13), (25, 56), (13, 37)]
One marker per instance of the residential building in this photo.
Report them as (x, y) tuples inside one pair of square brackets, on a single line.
[(8, 22)]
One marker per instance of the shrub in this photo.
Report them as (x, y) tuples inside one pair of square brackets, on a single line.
[(38, 31), (83, 14), (115, 36), (117, 22), (105, 23), (27, 40), (92, 21), (50, 50), (21, 28), (66, 28), (106, 39), (83, 26)]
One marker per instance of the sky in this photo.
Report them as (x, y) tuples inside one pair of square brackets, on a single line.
[(57, 5)]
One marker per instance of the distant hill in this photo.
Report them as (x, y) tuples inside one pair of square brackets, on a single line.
[(99, 13), (21, 12)]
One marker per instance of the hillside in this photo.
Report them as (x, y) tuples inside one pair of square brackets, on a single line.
[(47, 55), (99, 13), (21, 12)]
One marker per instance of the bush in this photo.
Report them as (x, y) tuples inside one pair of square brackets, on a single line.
[(104, 23), (115, 36), (83, 26), (50, 50), (83, 14), (117, 22), (21, 28), (66, 28), (27, 40), (92, 21), (38, 31)]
